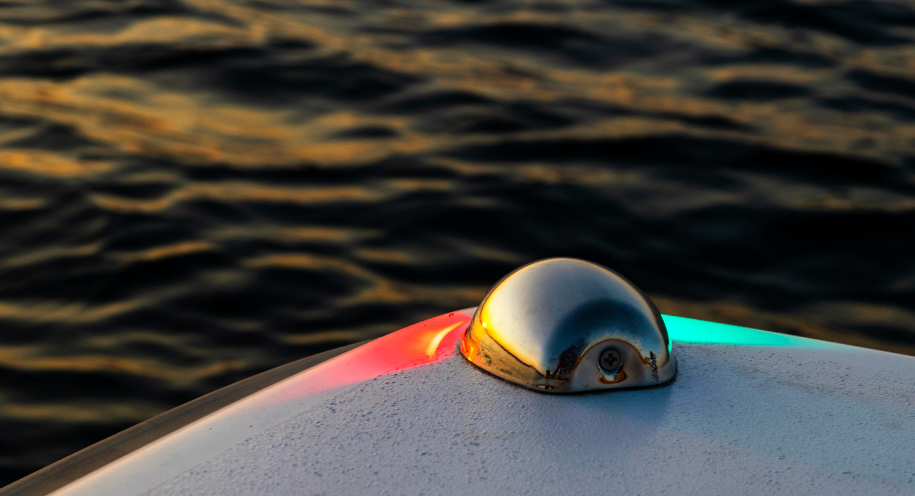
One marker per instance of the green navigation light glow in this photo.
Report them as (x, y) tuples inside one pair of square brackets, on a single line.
[(684, 330)]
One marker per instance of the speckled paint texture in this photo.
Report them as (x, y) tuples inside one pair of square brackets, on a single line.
[(738, 420)]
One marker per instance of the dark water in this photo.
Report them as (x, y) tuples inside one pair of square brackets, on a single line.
[(195, 191)]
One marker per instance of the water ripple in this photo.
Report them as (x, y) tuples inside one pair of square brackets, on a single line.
[(192, 191)]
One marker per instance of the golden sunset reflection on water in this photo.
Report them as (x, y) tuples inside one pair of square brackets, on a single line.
[(198, 190)]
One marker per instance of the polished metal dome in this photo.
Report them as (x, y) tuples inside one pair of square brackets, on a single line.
[(564, 325)]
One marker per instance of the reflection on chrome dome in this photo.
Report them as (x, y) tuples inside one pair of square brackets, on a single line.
[(564, 325)]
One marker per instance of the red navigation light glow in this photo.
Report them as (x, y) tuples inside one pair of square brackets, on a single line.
[(419, 344)]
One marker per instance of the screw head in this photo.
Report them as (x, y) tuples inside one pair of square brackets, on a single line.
[(610, 360)]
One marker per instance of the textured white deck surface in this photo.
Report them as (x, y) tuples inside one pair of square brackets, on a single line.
[(738, 420)]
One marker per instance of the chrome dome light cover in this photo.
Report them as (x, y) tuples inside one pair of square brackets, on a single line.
[(557, 325)]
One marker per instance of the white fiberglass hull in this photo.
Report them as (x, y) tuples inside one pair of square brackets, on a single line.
[(749, 413)]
